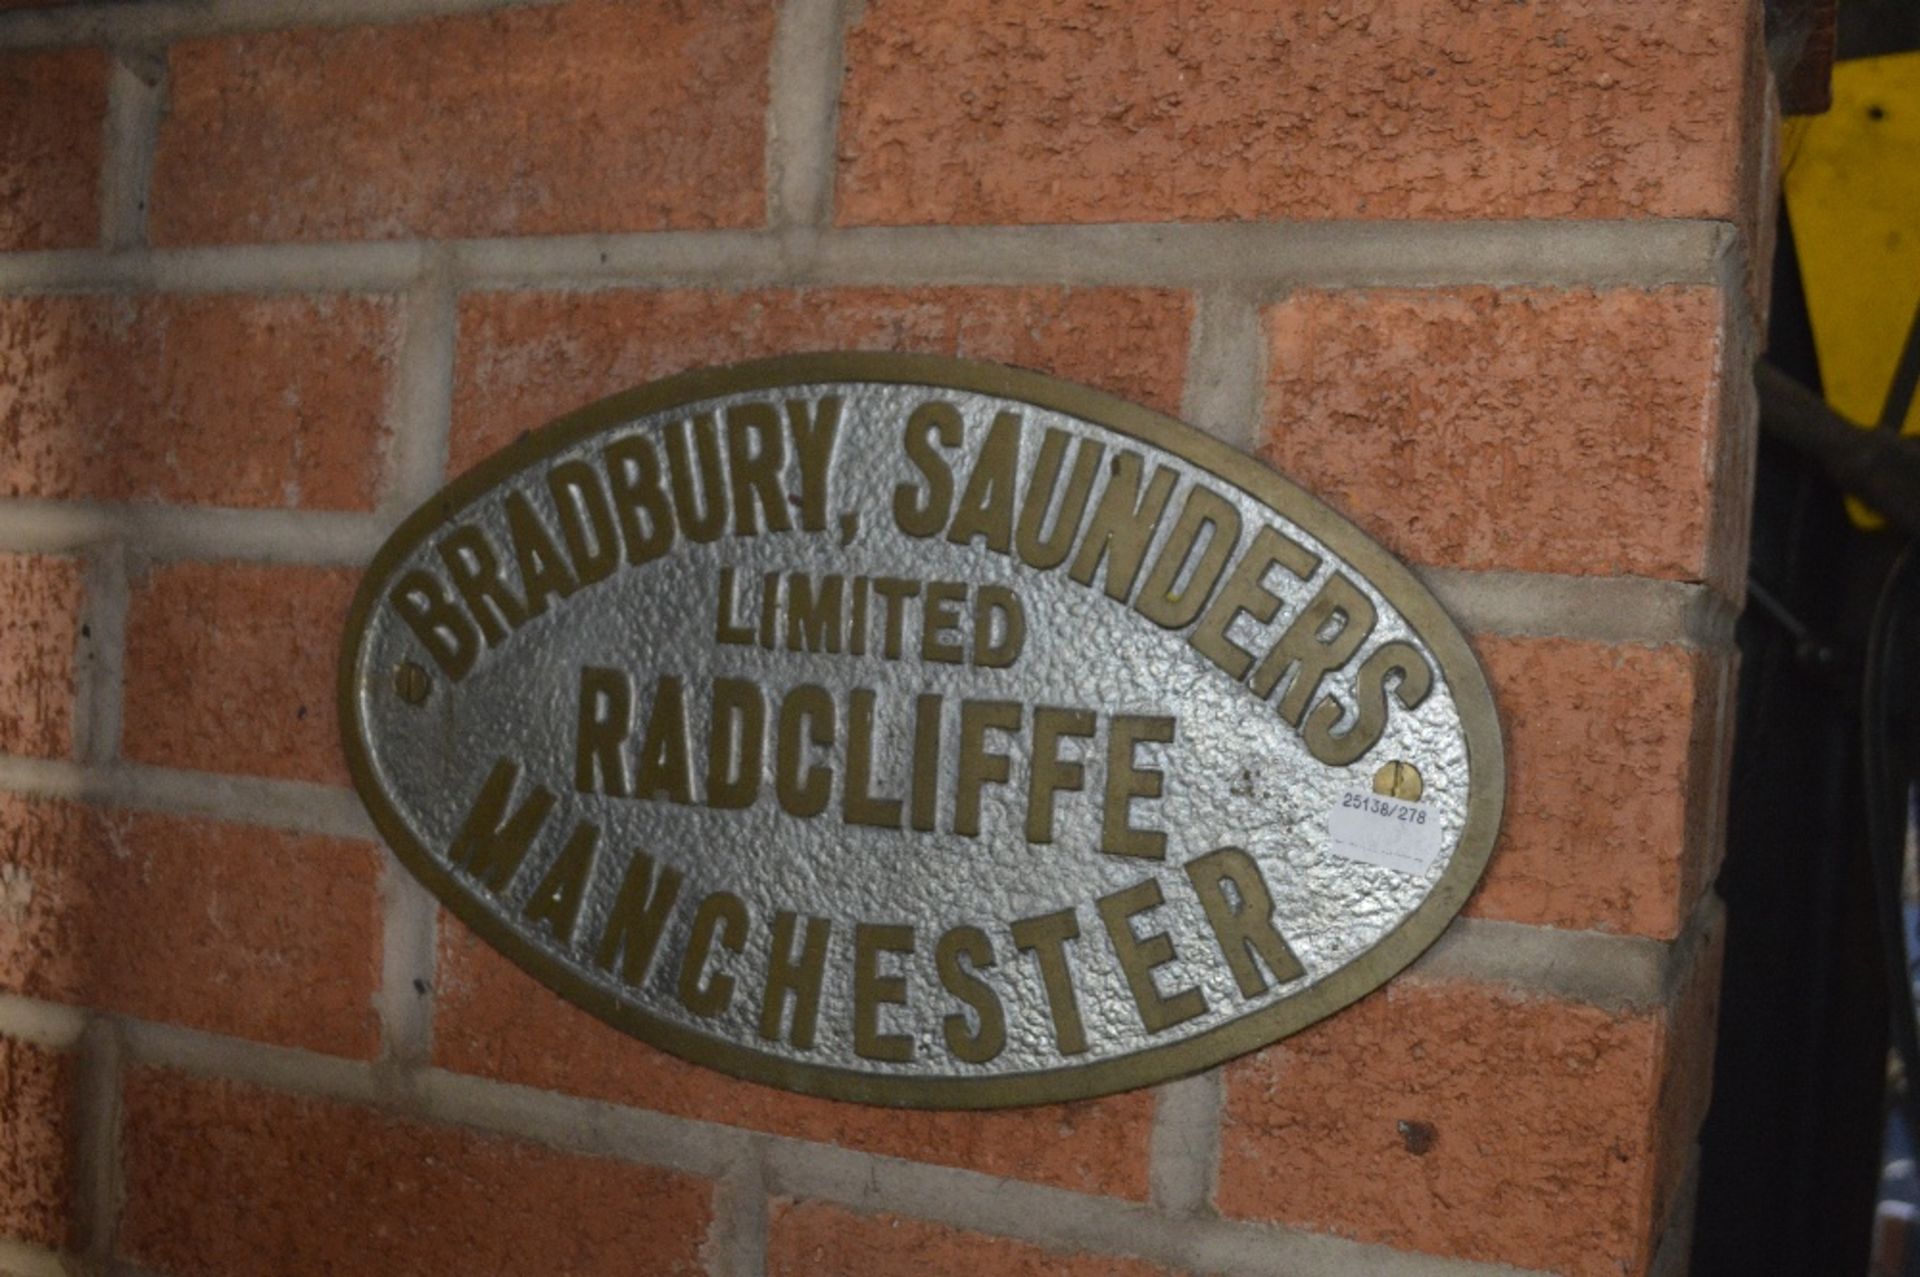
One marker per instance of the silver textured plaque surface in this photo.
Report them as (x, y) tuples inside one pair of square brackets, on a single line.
[(918, 731)]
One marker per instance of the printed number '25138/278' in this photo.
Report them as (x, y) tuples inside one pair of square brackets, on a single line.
[(1412, 813)]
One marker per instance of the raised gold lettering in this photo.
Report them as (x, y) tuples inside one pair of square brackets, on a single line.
[(959, 956), (720, 917), (475, 570), (999, 627), (857, 619), (769, 608), (1326, 634), (802, 790), (1050, 772), (861, 807), (734, 744), (1140, 955), (600, 741), (939, 617), (873, 989), (586, 520), (491, 844), (794, 977), (979, 766), (921, 511), (1242, 926), (725, 628), (556, 901), (814, 434), (1164, 598), (1123, 525), (813, 613), (639, 916), (543, 572), (1415, 680), (926, 761), (633, 478), (443, 629), (1127, 781), (986, 505), (1038, 547), (756, 450), (895, 591), (1046, 937), (1246, 594), (694, 475), (664, 768)]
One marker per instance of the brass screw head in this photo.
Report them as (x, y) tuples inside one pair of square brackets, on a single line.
[(412, 683), (1399, 779)]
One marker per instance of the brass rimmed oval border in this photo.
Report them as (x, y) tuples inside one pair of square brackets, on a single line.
[(1414, 932)]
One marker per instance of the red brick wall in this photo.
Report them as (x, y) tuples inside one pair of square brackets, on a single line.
[(1478, 273)]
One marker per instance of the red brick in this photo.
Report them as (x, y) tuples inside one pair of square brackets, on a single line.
[(493, 1020), (526, 358), (230, 668), (1070, 111), (1564, 431), (1757, 176), (40, 601), (809, 1239), (1686, 1084), (276, 402), (1736, 450), (224, 1179), (1476, 1122), (1609, 760), (586, 117), (53, 110), (38, 1183), (228, 928)]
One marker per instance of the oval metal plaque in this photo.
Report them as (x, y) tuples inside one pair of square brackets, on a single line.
[(918, 731)]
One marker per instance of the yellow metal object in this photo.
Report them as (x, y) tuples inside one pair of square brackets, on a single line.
[(1852, 179), (412, 682), (1399, 779)]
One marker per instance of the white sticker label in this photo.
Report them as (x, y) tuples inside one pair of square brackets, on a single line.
[(1388, 832)]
